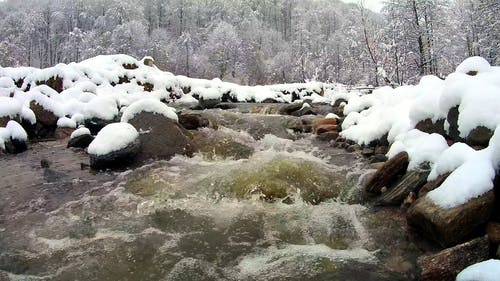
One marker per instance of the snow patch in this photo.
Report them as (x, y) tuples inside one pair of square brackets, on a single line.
[(148, 105)]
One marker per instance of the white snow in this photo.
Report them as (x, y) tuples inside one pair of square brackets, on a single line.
[(103, 108), (6, 82), (80, 132), (484, 271), (65, 122), (12, 131), (332, 116), (421, 147), (148, 105), (477, 64), (472, 172), (16, 131), (9, 107), (113, 137)]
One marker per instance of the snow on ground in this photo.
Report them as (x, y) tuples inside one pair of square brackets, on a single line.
[(113, 137), (485, 271), (394, 113)]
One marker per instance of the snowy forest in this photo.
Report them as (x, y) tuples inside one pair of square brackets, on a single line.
[(257, 41)]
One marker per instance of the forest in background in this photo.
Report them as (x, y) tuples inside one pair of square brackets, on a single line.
[(257, 41)]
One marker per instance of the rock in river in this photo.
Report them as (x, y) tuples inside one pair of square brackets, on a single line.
[(115, 146), (449, 226)]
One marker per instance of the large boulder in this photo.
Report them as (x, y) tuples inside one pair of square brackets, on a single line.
[(388, 174), (115, 146), (80, 138), (452, 119), (46, 121), (449, 226), (445, 265), (161, 137)]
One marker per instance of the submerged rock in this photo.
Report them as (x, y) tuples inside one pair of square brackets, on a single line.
[(449, 226), (445, 265), (281, 178), (193, 121), (213, 145)]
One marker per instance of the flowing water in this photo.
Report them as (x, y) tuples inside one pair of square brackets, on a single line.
[(249, 206)]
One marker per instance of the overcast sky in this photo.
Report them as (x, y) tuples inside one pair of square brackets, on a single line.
[(374, 5)]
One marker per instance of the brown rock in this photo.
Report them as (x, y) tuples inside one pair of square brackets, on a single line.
[(43, 116), (446, 264), (388, 173), (493, 231), (431, 185), (63, 133), (479, 136), (55, 83), (430, 127), (324, 128), (328, 136), (162, 137), (377, 165), (449, 226), (411, 182), (324, 121), (4, 120)]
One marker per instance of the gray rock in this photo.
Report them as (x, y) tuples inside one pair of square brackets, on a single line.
[(82, 141), (116, 159), (160, 137), (192, 121), (208, 103)]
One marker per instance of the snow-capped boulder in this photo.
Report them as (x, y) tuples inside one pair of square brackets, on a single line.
[(13, 138), (449, 226), (81, 138), (115, 146), (160, 136), (46, 120)]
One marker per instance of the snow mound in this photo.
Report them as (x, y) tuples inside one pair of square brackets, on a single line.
[(148, 105), (473, 64), (65, 122), (485, 271), (6, 82), (9, 107), (103, 108), (16, 131), (113, 137)]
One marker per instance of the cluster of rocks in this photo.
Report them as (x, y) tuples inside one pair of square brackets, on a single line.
[(449, 228)]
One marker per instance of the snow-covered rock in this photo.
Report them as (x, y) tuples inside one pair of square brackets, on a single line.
[(148, 105), (116, 145), (13, 138), (81, 138)]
